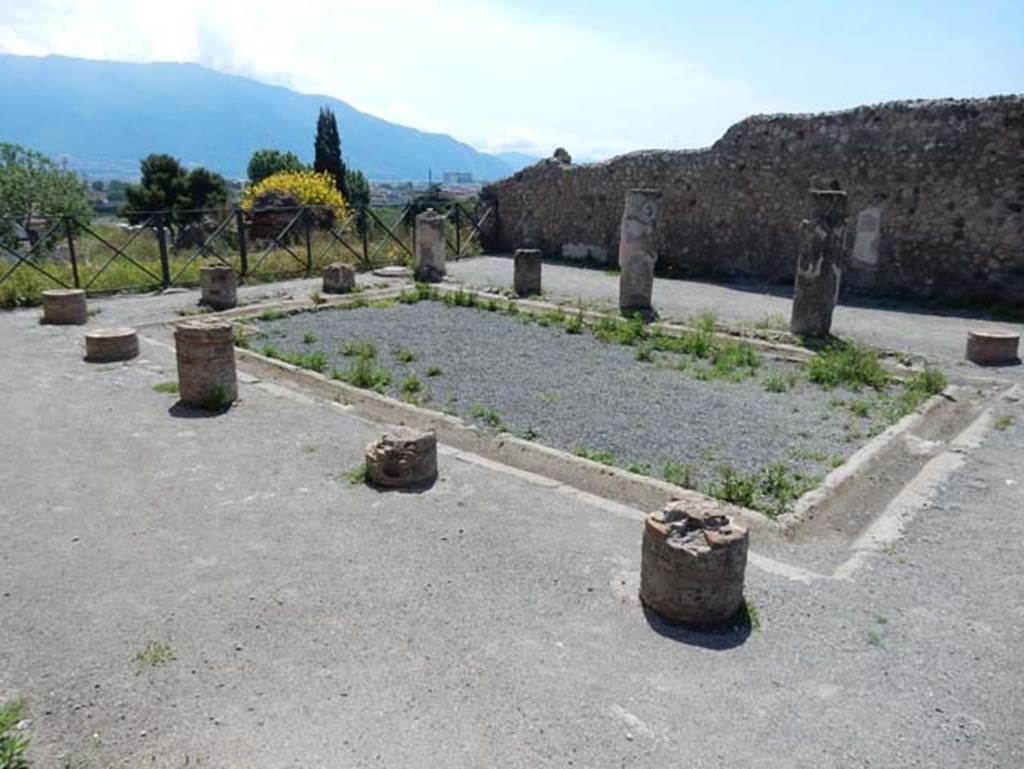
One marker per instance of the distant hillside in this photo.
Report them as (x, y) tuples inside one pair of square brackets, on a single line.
[(103, 116)]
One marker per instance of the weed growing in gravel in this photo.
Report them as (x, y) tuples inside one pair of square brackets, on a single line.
[(772, 490), (167, 388), (271, 315), (680, 474), (460, 298), (315, 361), (492, 305), (780, 383), (155, 653), (360, 350), (731, 361), (845, 364), (705, 322), (639, 468), (366, 374), (604, 457), (356, 475), (14, 742), (411, 384), (403, 355), (434, 371), (488, 416), (733, 486), (241, 337), (1003, 422), (772, 321), (309, 338), (644, 354)]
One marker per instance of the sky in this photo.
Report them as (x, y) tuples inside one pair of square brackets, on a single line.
[(599, 77)]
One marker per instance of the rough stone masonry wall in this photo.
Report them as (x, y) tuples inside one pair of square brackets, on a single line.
[(935, 191)]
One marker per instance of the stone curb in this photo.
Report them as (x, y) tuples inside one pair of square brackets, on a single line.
[(612, 483), (860, 463)]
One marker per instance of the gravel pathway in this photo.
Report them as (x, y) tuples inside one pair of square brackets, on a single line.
[(573, 391)]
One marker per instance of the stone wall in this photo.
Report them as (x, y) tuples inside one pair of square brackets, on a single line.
[(935, 189)]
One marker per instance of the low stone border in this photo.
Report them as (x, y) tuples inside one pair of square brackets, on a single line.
[(638, 491), (605, 481), (862, 462)]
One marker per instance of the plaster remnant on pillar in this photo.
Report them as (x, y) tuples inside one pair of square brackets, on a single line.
[(527, 271), (338, 278), (429, 262), (219, 287), (819, 267), (638, 249)]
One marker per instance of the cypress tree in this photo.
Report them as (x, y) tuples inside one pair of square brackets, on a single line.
[(327, 150)]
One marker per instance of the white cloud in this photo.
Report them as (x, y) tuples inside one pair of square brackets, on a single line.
[(476, 69)]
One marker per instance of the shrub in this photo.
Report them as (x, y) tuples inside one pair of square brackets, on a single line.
[(309, 188), (847, 365)]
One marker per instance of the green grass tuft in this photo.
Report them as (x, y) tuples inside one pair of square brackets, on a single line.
[(14, 741), (166, 388)]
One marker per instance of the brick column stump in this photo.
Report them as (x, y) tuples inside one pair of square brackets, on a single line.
[(638, 249), (106, 345), (338, 279), (992, 348), (428, 265), (206, 364), (219, 287), (402, 457), (65, 307), (819, 266), (527, 271), (692, 565)]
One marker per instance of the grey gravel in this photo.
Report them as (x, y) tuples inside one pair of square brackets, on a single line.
[(573, 391)]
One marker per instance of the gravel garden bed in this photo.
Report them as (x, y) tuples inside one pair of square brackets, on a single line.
[(719, 417)]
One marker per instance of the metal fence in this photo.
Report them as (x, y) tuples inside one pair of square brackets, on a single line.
[(165, 248)]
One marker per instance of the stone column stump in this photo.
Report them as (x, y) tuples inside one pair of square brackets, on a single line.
[(638, 249), (692, 565), (992, 348), (429, 262), (219, 287), (106, 345), (527, 271), (65, 307), (338, 278), (819, 266), (206, 364), (402, 457)]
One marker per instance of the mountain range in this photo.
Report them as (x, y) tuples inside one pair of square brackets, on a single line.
[(103, 116)]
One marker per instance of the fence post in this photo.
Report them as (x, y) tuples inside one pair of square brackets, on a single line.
[(458, 230), (309, 243), (69, 230), (243, 246), (161, 240), (363, 223)]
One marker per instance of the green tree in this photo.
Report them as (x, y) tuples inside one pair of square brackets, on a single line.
[(358, 188), (327, 150), (166, 186), (268, 162), (33, 187)]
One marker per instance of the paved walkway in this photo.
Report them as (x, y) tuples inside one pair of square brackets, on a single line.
[(489, 621), (940, 336)]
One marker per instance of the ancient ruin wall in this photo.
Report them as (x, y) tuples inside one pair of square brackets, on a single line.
[(935, 189)]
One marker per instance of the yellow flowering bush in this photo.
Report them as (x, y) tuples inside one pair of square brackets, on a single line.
[(309, 187)]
